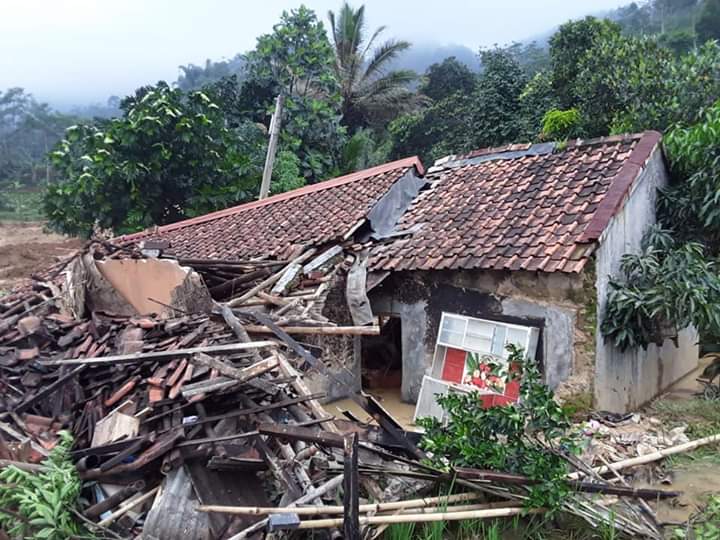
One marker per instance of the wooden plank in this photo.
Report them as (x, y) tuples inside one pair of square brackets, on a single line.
[(318, 330), (301, 388), (161, 355), (294, 433), (321, 259), (290, 273), (271, 280), (49, 389), (288, 340), (240, 375), (351, 493)]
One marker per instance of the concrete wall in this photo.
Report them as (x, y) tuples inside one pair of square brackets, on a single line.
[(624, 381), (530, 299)]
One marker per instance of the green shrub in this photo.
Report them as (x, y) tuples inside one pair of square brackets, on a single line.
[(561, 125), (526, 437), (40, 505)]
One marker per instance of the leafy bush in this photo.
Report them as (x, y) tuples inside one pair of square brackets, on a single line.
[(561, 125), (39, 505), (673, 282), (665, 288), (524, 437)]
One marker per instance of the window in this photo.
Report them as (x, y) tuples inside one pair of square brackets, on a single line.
[(483, 336)]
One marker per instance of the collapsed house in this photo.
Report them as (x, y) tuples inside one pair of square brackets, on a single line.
[(189, 362), (514, 241)]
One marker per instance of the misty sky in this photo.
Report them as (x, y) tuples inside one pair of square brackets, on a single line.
[(79, 51)]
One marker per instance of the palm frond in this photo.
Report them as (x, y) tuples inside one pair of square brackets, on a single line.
[(371, 42), (382, 56), (392, 86)]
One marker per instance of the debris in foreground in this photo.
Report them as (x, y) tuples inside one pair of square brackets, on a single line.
[(199, 417)]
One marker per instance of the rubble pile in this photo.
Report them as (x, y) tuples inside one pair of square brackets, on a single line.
[(617, 437), (201, 423)]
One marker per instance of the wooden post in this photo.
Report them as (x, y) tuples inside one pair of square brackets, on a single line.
[(351, 490), (272, 147)]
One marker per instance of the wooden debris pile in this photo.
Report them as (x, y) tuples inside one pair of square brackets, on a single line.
[(202, 425)]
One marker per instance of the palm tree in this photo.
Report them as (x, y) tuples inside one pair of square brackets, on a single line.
[(371, 92)]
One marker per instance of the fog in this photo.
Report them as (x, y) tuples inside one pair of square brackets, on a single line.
[(72, 52)]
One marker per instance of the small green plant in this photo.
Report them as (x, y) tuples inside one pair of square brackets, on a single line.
[(526, 437), (705, 526), (39, 505), (400, 531), (561, 125)]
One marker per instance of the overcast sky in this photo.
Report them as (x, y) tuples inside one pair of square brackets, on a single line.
[(79, 51)]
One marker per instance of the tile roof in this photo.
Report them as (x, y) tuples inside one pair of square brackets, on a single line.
[(540, 212), (275, 226)]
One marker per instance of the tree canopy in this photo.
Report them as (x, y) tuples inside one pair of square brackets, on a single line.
[(169, 156), (371, 91)]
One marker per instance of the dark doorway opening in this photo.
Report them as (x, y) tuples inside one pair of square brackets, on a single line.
[(382, 355)]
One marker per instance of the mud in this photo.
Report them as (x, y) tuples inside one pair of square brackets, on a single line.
[(25, 248)]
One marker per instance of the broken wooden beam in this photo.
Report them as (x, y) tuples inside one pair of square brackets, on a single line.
[(351, 489), (271, 280), (584, 487), (161, 355), (240, 375), (294, 433)]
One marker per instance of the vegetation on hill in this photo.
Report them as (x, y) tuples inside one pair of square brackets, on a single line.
[(347, 106)]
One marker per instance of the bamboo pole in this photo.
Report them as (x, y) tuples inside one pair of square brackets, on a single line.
[(318, 510), (318, 330), (455, 508), (129, 505), (421, 518), (314, 494), (649, 458)]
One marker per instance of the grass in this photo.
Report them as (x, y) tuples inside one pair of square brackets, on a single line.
[(703, 526), (702, 418), (21, 205)]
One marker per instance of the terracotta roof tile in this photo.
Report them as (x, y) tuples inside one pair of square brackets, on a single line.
[(535, 212), (272, 227)]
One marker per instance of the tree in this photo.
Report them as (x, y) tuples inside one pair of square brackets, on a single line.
[(489, 116), (619, 75), (447, 78), (297, 60), (568, 47), (371, 92), (168, 157), (708, 24), (633, 84), (194, 77), (536, 99), (28, 130)]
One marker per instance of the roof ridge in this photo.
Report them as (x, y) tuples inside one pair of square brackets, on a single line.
[(514, 147), (619, 188), (280, 197)]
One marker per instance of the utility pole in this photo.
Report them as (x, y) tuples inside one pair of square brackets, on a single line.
[(272, 147)]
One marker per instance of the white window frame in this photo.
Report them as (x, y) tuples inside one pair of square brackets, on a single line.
[(527, 345)]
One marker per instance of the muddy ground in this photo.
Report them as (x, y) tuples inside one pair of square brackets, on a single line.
[(26, 248)]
